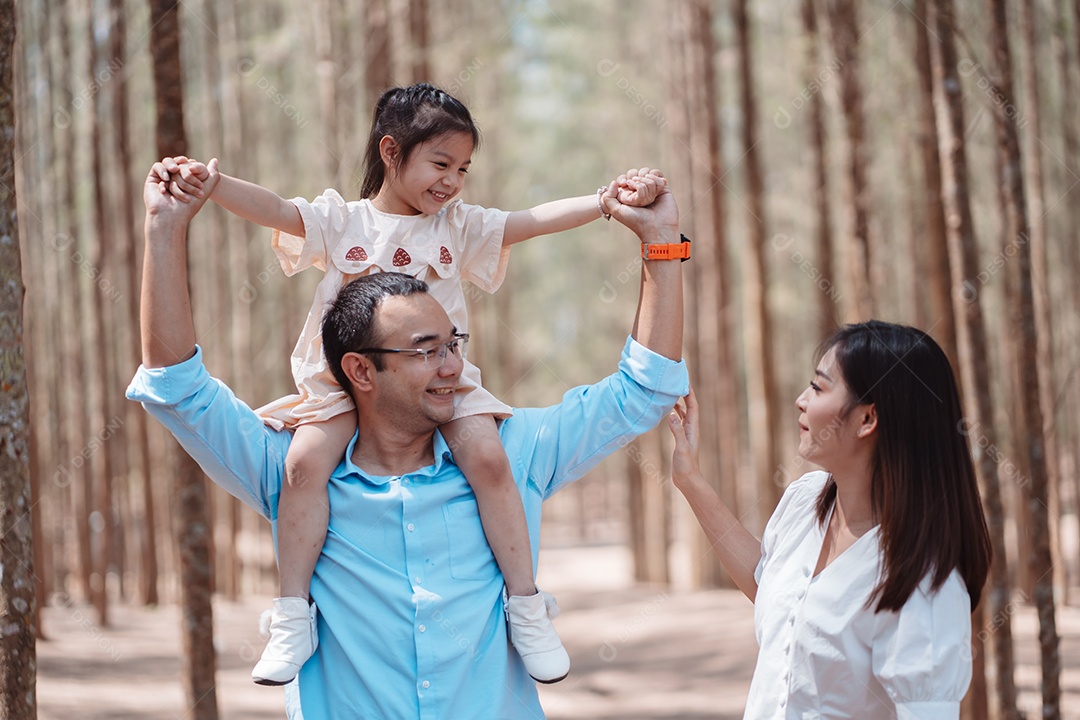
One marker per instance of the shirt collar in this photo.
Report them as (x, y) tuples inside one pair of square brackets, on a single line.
[(441, 451)]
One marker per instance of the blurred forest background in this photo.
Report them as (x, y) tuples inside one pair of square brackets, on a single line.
[(833, 160)]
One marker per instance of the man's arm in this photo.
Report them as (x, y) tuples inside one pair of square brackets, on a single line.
[(659, 321), (168, 332)]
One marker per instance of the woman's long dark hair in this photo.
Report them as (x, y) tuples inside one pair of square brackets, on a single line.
[(411, 115), (923, 487)]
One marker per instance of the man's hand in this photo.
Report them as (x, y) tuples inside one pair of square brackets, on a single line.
[(169, 194)]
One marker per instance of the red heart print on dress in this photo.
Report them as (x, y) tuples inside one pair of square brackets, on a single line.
[(356, 253), (401, 258), (444, 256)]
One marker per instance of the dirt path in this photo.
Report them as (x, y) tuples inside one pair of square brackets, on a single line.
[(638, 653)]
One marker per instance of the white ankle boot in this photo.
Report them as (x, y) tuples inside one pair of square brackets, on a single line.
[(293, 639), (534, 637)]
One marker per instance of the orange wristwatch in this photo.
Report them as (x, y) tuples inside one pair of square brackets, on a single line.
[(669, 251)]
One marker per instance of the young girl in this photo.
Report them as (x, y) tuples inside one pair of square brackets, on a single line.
[(418, 153), (864, 581)]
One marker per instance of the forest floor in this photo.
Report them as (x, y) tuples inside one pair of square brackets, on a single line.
[(638, 652)]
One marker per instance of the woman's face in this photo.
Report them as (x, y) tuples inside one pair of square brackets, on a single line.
[(827, 423)]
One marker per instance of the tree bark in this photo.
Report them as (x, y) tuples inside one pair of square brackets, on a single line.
[(136, 418), (1040, 277), (828, 315), (649, 503), (1024, 328), (934, 246), (377, 57), (102, 329), (760, 361), (18, 654), (843, 24), (419, 40), (199, 664), (973, 347)]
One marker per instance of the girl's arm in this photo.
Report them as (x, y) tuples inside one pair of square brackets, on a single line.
[(637, 187), (258, 204), (738, 551), (551, 217), (248, 200)]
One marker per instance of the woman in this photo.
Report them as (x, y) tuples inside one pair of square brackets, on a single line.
[(867, 573)]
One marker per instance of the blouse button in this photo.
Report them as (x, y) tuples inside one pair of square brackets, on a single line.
[(798, 595), (806, 572), (791, 620)]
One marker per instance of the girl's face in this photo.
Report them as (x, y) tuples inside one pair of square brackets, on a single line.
[(432, 176), (827, 422)]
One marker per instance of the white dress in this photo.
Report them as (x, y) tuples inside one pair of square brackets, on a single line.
[(347, 240), (823, 654)]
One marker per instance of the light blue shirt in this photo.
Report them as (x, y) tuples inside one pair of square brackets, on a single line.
[(411, 620)]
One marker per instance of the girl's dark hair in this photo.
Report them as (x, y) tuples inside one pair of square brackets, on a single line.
[(923, 487), (349, 322), (411, 115)]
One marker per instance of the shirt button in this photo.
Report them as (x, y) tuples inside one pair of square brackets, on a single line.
[(783, 701), (411, 527), (798, 595), (422, 628), (806, 572), (790, 620), (417, 581), (425, 684)]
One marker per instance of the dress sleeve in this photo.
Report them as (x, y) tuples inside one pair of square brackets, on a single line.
[(478, 233), (922, 654), (325, 220)]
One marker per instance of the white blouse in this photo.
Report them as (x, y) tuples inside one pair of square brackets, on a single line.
[(823, 654)]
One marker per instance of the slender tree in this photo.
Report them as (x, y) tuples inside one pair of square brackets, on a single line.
[(1023, 324), (377, 56), (844, 26), (760, 359), (199, 663), (933, 245), (419, 39), (18, 655), (827, 310)]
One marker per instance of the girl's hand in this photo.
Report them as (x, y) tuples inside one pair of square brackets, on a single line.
[(683, 422), (639, 187), (188, 178)]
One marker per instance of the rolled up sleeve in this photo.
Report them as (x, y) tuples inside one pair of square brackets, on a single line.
[(593, 421), (224, 436)]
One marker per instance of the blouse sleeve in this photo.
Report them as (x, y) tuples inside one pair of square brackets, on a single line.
[(796, 498), (922, 654), (325, 220), (478, 233)]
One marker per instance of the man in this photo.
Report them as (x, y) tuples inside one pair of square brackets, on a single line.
[(411, 620)]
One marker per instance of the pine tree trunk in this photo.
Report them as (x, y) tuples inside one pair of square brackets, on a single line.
[(1040, 278), (135, 418), (649, 526), (101, 330), (199, 663), (377, 57), (934, 247), (1030, 420), (828, 313), (1070, 230), (326, 78), (973, 347), (418, 40), (18, 654), (843, 24), (760, 360)]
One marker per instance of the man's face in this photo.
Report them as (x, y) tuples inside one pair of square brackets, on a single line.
[(414, 395)]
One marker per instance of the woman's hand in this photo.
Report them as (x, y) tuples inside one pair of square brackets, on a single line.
[(683, 422)]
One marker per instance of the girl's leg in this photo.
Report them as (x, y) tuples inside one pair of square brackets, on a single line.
[(479, 452), (303, 515)]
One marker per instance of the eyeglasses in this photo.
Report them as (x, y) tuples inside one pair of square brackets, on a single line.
[(434, 356)]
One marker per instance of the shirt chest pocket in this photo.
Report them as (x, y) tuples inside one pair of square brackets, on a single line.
[(470, 555)]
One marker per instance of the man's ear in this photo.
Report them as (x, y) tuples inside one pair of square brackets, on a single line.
[(389, 151), (360, 371), (867, 421)]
